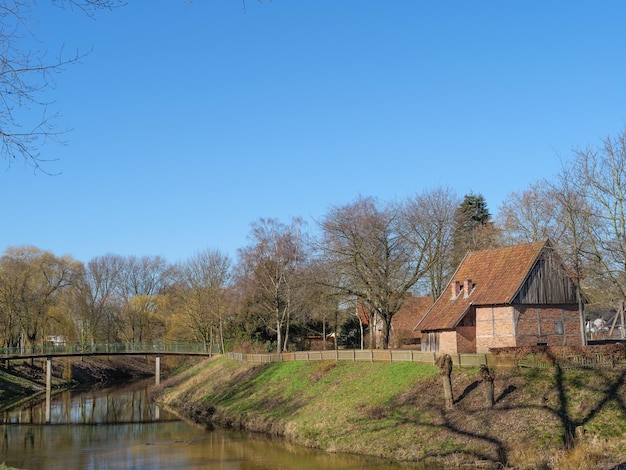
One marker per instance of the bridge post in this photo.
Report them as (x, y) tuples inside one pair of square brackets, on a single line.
[(157, 370), (48, 388)]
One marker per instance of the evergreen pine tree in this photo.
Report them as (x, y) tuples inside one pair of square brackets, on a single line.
[(473, 229)]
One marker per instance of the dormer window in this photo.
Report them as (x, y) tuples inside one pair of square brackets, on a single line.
[(468, 288)]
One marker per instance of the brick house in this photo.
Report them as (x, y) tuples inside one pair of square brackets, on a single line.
[(504, 297), (402, 323), (401, 333)]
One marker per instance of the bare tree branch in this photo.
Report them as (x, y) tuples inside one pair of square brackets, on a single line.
[(26, 76)]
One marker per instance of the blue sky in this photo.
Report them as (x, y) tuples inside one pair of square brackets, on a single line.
[(191, 120)]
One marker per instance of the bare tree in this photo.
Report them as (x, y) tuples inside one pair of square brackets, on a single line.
[(428, 223), (201, 293), (374, 258), (98, 300), (532, 215), (598, 177), (26, 76), (143, 280), (269, 269)]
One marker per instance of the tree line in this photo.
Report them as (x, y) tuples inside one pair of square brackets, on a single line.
[(291, 282)]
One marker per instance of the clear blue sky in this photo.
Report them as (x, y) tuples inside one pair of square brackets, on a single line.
[(191, 120)]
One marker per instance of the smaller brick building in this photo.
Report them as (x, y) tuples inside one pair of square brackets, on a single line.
[(401, 333), (504, 297)]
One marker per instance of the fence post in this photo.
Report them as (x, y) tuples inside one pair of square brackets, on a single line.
[(612, 362)]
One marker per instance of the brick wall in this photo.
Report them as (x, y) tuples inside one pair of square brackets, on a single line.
[(466, 339), (494, 328), (447, 342), (508, 326), (557, 325)]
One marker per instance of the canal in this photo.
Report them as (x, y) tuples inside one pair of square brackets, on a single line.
[(118, 428)]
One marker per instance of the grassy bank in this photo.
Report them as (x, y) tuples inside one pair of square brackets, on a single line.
[(395, 411)]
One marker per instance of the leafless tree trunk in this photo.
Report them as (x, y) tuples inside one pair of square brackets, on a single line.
[(444, 363), (487, 379)]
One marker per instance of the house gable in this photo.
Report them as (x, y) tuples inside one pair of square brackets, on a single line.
[(546, 283)]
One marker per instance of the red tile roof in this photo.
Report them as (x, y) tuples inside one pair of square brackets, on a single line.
[(496, 275), (412, 311)]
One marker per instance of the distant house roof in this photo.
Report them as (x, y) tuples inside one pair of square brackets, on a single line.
[(411, 312), (495, 277)]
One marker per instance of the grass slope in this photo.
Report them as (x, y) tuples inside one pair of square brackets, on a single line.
[(395, 411)]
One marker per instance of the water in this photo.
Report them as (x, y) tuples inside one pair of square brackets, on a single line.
[(118, 428)]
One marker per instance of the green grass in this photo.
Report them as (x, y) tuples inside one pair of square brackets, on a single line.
[(396, 410)]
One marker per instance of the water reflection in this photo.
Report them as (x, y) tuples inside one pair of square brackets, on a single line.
[(129, 404), (120, 429)]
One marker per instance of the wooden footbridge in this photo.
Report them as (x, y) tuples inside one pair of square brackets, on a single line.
[(50, 352)]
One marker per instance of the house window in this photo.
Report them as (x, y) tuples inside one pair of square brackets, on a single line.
[(558, 327)]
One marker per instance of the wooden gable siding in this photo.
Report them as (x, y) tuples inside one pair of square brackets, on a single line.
[(547, 283)]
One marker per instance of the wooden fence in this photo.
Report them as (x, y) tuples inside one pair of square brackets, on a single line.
[(578, 361), (378, 355), (511, 360)]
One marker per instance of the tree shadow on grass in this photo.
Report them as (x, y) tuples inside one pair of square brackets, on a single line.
[(608, 391), (507, 391), (572, 401), (471, 387), (501, 454)]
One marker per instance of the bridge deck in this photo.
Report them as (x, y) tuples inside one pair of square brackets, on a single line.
[(117, 349)]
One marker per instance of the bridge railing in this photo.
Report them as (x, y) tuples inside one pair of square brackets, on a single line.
[(59, 349)]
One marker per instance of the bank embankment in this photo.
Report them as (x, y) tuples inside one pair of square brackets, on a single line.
[(541, 419)]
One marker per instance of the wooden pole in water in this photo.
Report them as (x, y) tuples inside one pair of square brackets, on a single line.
[(48, 388), (157, 370)]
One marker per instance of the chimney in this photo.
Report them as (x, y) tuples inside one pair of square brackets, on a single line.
[(455, 289), (467, 288)]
